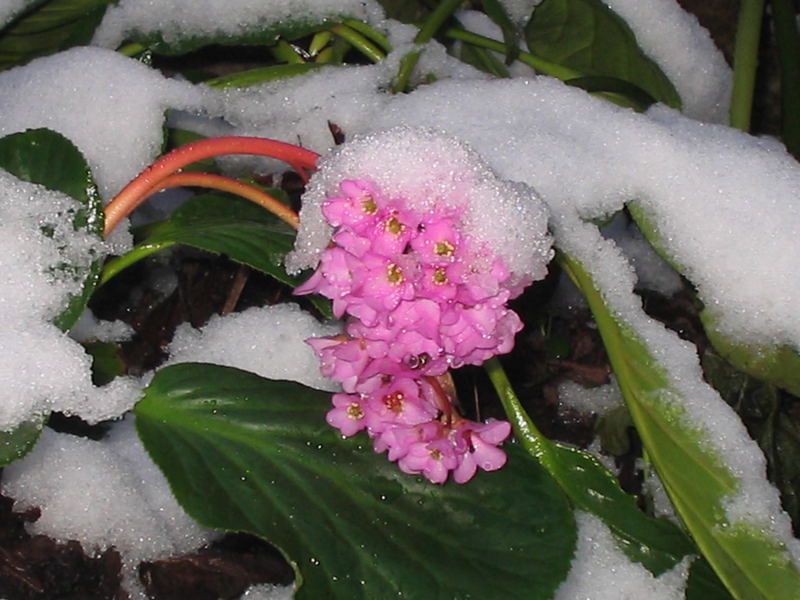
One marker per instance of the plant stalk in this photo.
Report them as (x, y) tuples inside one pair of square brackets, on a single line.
[(745, 62), (132, 195)]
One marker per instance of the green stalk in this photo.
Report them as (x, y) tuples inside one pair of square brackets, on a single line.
[(424, 35), (745, 62), (359, 42), (541, 65), (788, 42), (116, 265), (525, 431), (370, 33)]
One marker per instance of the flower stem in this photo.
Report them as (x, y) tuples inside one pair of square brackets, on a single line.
[(525, 431), (149, 179), (745, 62), (232, 186)]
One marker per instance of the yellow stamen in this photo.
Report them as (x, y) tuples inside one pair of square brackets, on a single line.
[(439, 276), (394, 226), (354, 411), (368, 206), (394, 274), (444, 248)]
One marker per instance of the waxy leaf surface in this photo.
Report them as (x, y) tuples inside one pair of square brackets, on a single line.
[(249, 454)]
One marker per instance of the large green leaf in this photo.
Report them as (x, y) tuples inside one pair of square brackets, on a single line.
[(49, 159), (48, 27), (699, 483), (249, 454), (655, 543), (585, 35)]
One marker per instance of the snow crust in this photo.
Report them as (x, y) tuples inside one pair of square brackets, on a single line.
[(268, 592), (431, 171), (601, 571), (103, 494), (43, 369), (10, 8), (179, 19), (684, 50), (268, 341), (111, 107)]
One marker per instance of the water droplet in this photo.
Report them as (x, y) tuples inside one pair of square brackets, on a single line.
[(314, 561)]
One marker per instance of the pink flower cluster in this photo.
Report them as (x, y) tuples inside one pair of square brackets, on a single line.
[(420, 299)]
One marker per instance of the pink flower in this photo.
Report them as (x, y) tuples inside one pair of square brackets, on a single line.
[(420, 298), (347, 414)]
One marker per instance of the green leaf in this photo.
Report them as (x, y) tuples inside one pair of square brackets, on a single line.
[(107, 362), (262, 31), (585, 35), (48, 27), (779, 365), (752, 565), (657, 544), (49, 159), (18, 442), (223, 224), (248, 454), (766, 413)]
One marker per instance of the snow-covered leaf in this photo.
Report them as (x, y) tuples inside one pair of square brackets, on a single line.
[(49, 159), (249, 454), (587, 36), (699, 482), (49, 27)]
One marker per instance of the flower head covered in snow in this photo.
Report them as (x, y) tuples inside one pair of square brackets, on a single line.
[(413, 267)]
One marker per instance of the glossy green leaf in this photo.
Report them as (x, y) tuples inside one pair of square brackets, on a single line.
[(585, 35), (18, 442), (657, 544), (107, 362), (249, 454), (49, 159), (752, 565), (223, 224), (48, 27)]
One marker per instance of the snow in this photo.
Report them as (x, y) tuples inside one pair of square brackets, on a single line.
[(278, 351), (90, 328), (43, 370), (182, 19), (685, 52), (601, 571), (428, 169), (11, 8), (519, 11), (103, 494), (111, 107), (597, 400), (699, 183), (268, 592)]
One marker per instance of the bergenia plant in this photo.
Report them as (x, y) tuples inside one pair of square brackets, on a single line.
[(293, 323)]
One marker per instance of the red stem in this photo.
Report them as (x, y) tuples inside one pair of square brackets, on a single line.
[(137, 190), (232, 186)]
